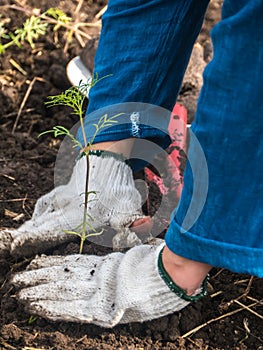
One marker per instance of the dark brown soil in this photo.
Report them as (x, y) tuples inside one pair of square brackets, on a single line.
[(26, 173)]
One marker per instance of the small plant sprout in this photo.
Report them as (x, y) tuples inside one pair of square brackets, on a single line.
[(32, 319), (34, 27), (74, 98), (3, 30), (4, 36), (60, 17)]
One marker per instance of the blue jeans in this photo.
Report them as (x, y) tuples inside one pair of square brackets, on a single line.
[(146, 46), (141, 46)]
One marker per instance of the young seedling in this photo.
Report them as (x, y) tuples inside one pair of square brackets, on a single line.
[(32, 319), (37, 24), (74, 98), (33, 28)]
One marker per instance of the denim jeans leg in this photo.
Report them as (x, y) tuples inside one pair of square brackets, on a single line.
[(144, 49), (228, 126)]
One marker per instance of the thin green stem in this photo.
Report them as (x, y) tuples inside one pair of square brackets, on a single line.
[(84, 227), (82, 129)]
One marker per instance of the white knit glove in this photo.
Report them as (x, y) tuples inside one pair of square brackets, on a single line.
[(116, 204), (116, 288)]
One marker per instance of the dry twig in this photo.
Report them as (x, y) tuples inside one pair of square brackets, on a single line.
[(32, 82), (17, 66), (248, 309), (194, 330), (101, 12)]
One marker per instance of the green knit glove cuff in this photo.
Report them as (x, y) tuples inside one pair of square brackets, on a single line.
[(176, 289)]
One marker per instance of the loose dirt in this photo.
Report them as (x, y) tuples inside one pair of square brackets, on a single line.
[(26, 173)]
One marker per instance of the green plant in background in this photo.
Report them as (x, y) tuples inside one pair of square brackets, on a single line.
[(3, 30), (74, 98), (60, 17), (33, 28), (32, 319)]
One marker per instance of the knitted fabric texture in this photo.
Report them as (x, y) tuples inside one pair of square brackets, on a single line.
[(114, 203), (116, 288)]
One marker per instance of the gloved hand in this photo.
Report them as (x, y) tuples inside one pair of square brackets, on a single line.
[(116, 288), (116, 204)]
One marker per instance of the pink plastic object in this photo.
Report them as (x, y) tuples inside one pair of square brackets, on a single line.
[(177, 131)]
